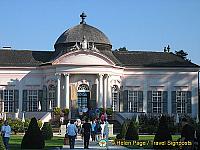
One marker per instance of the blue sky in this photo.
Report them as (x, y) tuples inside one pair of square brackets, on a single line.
[(136, 24)]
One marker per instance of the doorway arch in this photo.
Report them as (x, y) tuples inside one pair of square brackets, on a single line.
[(83, 94)]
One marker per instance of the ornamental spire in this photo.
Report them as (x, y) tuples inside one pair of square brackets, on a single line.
[(83, 16)]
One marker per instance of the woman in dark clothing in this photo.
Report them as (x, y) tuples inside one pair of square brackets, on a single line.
[(162, 135)]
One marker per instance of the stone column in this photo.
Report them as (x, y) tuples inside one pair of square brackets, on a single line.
[(105, 91), (97, 92), (66, 103), (58, 89), (109, 101), (100, 100)]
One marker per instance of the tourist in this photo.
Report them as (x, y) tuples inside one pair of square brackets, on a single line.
[(86, 128), (72, 132), (162, 135), (102, 129), (106, 130), (98, 130), (93, 130), (5, 133)]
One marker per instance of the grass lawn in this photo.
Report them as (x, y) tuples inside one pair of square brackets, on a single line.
[(15, 142)]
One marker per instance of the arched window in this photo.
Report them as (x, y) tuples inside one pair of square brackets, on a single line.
[(52, 96), (115, 97), (83, 87)]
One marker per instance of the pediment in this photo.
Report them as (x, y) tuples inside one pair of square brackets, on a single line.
[(83, 58)]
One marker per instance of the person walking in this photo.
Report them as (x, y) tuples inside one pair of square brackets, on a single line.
[(93, 130), (5, 133), (72, 132), (98, 130), (86, 133), (106, 130)]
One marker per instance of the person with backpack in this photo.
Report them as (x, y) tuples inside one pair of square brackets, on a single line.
[(98, 130)]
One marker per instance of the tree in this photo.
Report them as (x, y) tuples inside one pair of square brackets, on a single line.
[(182, 54), (47, 132), (122, 49), (33, 138), (132, 132)]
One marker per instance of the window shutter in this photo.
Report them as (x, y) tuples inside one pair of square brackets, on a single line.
[(189, 103), (165, 107), (1, 100), (40, 98), (25, 100), (140, 101), (149, 101), (125, 100), (16, 100), (173, 102)]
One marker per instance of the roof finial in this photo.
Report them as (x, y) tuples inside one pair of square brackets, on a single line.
[(83, 16)]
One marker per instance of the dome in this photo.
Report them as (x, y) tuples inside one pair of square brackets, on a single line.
[(77, 33)]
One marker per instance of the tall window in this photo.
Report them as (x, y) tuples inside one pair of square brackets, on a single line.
[(132, 101), (157, 100), (32, 96), (115, 97), (83, 96), (52, 96), (8, 96), (181, 100)]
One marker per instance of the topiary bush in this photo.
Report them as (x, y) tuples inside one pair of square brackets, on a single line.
[(33, 138), (47, 132), (123, 130), (132, 132), (2, 147)]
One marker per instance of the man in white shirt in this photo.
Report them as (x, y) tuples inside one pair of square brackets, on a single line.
[(72, 132), (5, 132)]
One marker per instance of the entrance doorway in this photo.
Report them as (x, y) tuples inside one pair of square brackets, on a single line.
[(83, 94)]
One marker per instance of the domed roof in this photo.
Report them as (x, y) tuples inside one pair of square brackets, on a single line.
[(78, 32)]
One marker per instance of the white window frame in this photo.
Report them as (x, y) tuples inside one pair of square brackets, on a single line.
[(157, 101), (32, 96), (9, 101), (181, 102), (133, 101), (52, 96), (115, 97)]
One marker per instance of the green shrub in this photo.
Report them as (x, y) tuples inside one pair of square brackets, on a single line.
[(33, 138), (16, 125), (39, 124), (132, 131), (57, 111), (2, 147), (65, 111), (109, 111), (123, 130), (47, 132), (119, 136)]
